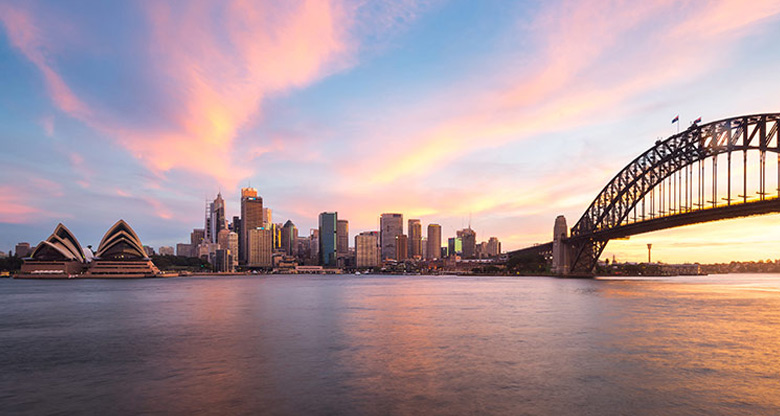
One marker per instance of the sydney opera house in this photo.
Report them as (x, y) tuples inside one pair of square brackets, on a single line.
[(120, 255)]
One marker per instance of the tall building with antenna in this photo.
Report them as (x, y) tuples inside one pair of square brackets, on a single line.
[(215, 218)]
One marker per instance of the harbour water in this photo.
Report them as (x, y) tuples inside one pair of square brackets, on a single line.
[(377, 345)]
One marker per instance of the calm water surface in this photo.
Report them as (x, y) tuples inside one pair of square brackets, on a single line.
[(391, 345)]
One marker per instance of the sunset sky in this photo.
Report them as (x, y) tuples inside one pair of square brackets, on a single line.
[(506, 112)]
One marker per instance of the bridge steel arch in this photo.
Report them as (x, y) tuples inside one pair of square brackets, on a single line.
[(667, 170)]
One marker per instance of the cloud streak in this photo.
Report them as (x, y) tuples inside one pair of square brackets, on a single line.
[(216, 62)]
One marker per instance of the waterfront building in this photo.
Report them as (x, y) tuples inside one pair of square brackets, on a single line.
[(260, 248), (222, 239), (59, 256), (149, 251), (196, 237), (493, 247), (165, 251), (424, 246), (367, 253), (469, 242), (121, 255), (328, 239), (289, 238), (222, 261), (184, 250), (434, 242), (414, 230), (401, 247), (455, 246), (233, 247), (390, 227), (314, 246), (303, 250), (480, 251), (23, 250), (206, 250), (342, 237), (251, 219), (276, 231)]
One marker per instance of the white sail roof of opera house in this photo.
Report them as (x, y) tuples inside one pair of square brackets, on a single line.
[(61, 245), (120, 243)]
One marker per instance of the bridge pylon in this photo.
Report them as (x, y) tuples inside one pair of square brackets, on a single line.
[(561, 249)]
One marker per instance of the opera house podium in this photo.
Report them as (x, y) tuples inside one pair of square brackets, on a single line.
[(121, 255)]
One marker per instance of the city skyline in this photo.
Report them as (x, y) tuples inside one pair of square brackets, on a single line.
[(505, 116)]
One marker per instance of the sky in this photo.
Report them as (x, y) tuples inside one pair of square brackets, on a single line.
[(498, 114)]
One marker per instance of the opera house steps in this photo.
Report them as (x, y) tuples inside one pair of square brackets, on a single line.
[(119, 256)]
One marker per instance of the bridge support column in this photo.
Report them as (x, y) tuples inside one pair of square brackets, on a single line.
[(560, 251)]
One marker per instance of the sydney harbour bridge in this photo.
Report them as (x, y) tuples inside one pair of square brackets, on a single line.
[(708, 172)]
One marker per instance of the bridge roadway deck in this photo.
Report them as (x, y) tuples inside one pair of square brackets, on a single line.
[(723, 212)]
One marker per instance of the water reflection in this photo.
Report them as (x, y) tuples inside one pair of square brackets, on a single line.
[(391, 345)]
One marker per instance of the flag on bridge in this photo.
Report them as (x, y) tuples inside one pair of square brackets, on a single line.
[(676, 119), (698, 120)]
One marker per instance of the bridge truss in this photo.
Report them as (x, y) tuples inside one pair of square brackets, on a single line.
[(676, 182)]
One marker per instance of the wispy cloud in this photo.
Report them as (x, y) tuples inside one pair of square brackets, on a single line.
[(593, 57)]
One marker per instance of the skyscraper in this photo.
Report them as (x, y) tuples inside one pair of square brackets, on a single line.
[(454, 246), (267, 218), (251, 219), (367, 249), (415, 239), (328, 243), (469, 238), (289, 238), (390, 227), (342, 237), (434, 241), (215, 220), (401, 247), (493, 247), (197, 236), (232, 244), (259, 250)]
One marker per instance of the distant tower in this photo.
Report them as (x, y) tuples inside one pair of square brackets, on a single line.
[(560, 254), (469, 239), (401, 247), (390, 227), (342, 237), (649, 247), (367, 249), (289, 237), (415, 239), (251, 219), (434, 241), (328, 243), (215, 218)]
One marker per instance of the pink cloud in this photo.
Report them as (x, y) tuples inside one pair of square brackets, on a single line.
[(20, 205), (594, 58), (220, 61), (25, 35)]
